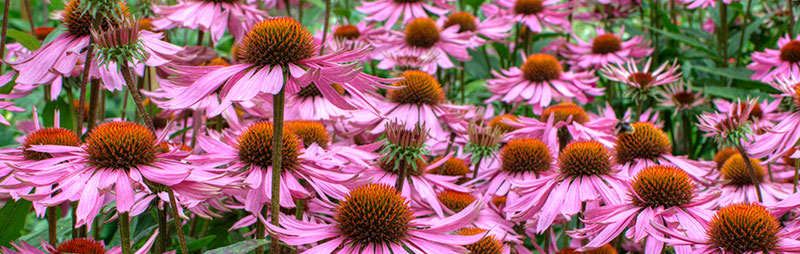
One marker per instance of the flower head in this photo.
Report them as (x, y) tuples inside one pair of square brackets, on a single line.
[(277, 41), (662, 186), (404, 144), (732, 127)]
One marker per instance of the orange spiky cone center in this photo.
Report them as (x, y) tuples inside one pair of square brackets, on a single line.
[(585, 158), (455, 200), (563, 111), (606, 44), (169, 146), (420, 88), (42, 32), (541, 67), (525, 155), (80, 246), (79, 23), (528, 7), (723, 155), (277, 41), (48, 136), (641, 78), (451, 167), (465, 21), (735, 171), (662, 186), (255, 146), (790, 52), (497, 122), (219, 61), (121, 145), (346, 32), (311, 90), (486, 245), (422, 33), (310, 132), (743, 228), (646, 142), (374, 214)]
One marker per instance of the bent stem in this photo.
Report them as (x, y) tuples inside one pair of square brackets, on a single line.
[(125, 233), (753, 177), (177, 219), (137, 99), (277, 142)]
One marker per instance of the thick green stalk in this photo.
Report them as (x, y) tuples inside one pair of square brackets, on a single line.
[(125, 233), (277, 168), (6, 6), (753, 177), (137, 99), (177, 219)]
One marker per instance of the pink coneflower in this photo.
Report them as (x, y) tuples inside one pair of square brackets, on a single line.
[(390, 10), (657, 195), (784, 135), (249, 157), (539, 81), (577, 124), (642, 81), (494, 28), (647, 145), (78, 245), (521, 160), (535, 14), (762, 115), (734, 126), (693, 4), (122, 156), (772, 63), (8, 106), (724, 232), (375, 218), (737, 186), (212, 16), (586, 176), (349, 36), (410, 59), (681, 97), (422, 35), (606, 48), (421, 100), (279, 53)]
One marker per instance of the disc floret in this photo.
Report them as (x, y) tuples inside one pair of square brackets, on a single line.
[(743, 228), (121, 145), (48, 136), (374, 214), (662, 186), (255, 146)]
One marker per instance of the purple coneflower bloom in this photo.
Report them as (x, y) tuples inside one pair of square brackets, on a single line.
[(423, 34), (390, 10), (606, 48), (784, 135), (534, 14), (212, 16), (773, 63)]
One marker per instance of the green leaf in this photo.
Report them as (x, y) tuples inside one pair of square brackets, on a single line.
[(733, 73), (63, 227), (683, 38), (27, 40), (200, 243), (240, 247), (732, 93), (474, 3), (12, 220)]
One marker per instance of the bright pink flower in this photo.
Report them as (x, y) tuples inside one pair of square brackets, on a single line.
[(763, 115), (410, 59), (736, 183), (784, 135), (645, 78), (579, 125), (390, 10), (606, 48), (772, 63), (693, 4), (657, 195), (494, 28), (423, 35), (540, 81), (520, 160), (78, 245), (360, 226), (535, 14), (213, 17), (681, 97), (647, 145)]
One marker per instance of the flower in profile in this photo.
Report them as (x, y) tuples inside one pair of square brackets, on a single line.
[(412, 59), (737, 228), (563, 122), (390, 10), (419, 100), (77, 245), (782, 137), (738, 186), (732, 128), (423, 35), (521, 160), (483, 142), (534, 14), (606, 48), (539, 81), (693, 4), (349, 36), (648, 145), (772, 63), (762, 116), (376, 218), (656, 195), (680, 96), (586, 176), (8, 106), (210, 16), (279, 53), (492, 27), (642, 82)]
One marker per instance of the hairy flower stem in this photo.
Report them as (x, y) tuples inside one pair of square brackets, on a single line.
[(163, 231), (197, 121), (449, 146), (277, 168), (401, 176), (137, 99), (753, 177), (463, 85), (475, 170), (686, 123), (6, 6), (796, 171), (125, 233), (52, 226), (260, 232), (26, 12), (723, 36), (94, 94), (82, 95), (177, 219)]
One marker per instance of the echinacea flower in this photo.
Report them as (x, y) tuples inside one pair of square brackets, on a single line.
[(77, 245), (412, 59), (521, 160), (648, 145), (680, 96), (539, 81), (772, 63), (762, 116), (656, 195), (585, 180), (606, 48), (784, 135), (693, 4), (561, 123), (732, 128), (534, 14), (737, 228), (391, 10), (212, 16), (276, 54), (737, 184), (494, 28), (375, 218), (422, 35), (641, 82), (348, 36)]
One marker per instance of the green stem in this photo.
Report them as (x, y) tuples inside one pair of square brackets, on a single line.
[(687, 132), (94, 94), (401, 177), (753, 177), (796, 171), (277, 168), (177, 220), (125, 233), (163, 231), (137, 99), (82, 95), (6, 6), (723, 37), (325, 24), (475, 169), (741, 35), (52, 226), (791, 18)]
